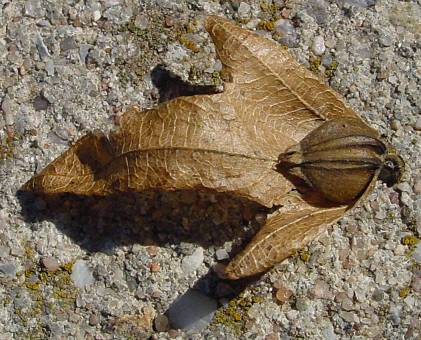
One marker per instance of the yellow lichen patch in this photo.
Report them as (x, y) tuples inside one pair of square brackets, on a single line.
[(315, 63), (409, 240), (330, 70), (235, 315), (268, 7), (190, 44), (404, 292), (304, 255), (267, 25)]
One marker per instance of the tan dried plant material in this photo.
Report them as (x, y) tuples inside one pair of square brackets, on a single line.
[(276, 136)]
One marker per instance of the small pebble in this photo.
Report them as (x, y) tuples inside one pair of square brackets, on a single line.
[(221, 254), (395, 125), (192, 262), (327, 59), (96, 15), (378, 295), (349, 316), (67, 44), (416, 284), (417, 253), (93, 320), (161, 323), (417, 187), (50, 263), (321, 290), (154, 267), (41, 47), (152, 251), (283, 294), (418, 124), (286, 32), (8, 269), (40, 103), (301, 304), (81, 274), (141, 21), (244, 10), (4, 251), (318, 47), (404, 187)]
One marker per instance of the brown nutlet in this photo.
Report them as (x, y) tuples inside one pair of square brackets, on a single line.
[(341, 158)]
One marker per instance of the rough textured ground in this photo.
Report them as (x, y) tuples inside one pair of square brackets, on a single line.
[(100, 269)]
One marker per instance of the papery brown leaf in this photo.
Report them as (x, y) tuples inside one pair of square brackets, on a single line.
[(292, 227), (228, 142)]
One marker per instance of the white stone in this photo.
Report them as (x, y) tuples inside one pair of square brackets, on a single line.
[(96, 15), (244, 10), (318, 47), (192, 262), (81, 274), (192, 312)]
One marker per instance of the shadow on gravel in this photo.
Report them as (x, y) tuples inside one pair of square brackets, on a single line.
[(160, 218), (171, 86)]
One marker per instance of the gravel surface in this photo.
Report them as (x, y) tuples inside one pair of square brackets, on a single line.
[(138, 266)]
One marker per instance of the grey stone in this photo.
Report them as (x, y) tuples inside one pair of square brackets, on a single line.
[(286, 32), (41, 47), (327, 59), (192, 312), (404, 187), (141, 21), (8, 106), (318, 10), (68, 43), (244, 10), (40, 103), (83, 52), (418, 124), (329, 332), (49, 67), (192, 262), (417, 253), (221, 254), (359, 3), (34, 8), (301, 304), (417, 187), (4, 251), (81, 274), (8, 269), (378, 295), (349, 316), (385, 40)]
